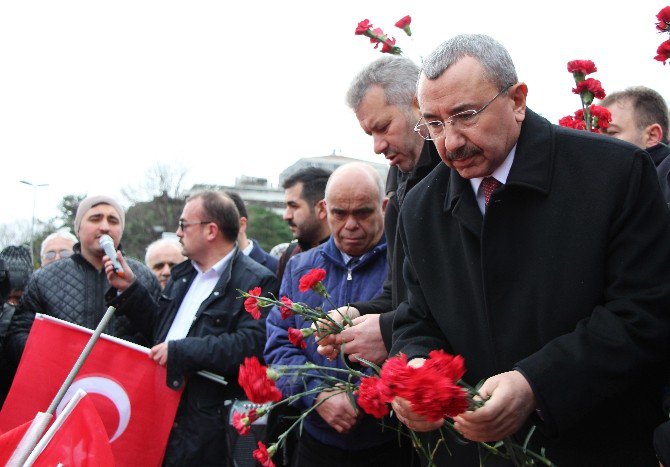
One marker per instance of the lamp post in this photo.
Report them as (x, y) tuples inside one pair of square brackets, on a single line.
[(32, 225)]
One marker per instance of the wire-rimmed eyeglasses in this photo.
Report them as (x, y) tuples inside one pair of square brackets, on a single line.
[(434, 129)]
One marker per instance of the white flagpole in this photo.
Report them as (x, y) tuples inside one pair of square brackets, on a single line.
[(32, 437)]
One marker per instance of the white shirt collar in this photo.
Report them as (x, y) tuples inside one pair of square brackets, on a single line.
[(219, 266), (249, 248)]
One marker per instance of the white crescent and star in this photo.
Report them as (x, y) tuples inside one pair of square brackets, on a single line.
[(107, 388)]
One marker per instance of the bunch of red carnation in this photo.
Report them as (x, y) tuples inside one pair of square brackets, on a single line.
[(663, 25), (377, 36), (433, 389), (590, 117), (600, 119)]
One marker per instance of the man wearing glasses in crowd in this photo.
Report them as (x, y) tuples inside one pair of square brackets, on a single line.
[(539, 254), (57, 245), (200, 324)]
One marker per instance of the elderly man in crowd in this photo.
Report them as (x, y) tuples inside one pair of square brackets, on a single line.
[(73, 288), (199, 324), (640, 116), (56, 246), (161, 256), (336, 433), (383, 96), (539, 254), (305, 212)]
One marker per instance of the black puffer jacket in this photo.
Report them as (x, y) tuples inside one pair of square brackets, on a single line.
[(71, 289)]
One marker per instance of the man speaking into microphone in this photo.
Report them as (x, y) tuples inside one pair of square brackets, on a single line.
[(73, 289)]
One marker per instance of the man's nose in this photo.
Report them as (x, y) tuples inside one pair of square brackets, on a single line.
[(287, 214), (453, 139), (380, 144), (165, 271), (351, 223)]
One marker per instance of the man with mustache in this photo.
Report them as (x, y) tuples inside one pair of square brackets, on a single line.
[(305, 212), (540, 255)]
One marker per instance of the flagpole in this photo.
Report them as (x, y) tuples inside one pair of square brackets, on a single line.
[(80, 361), (30, 440)]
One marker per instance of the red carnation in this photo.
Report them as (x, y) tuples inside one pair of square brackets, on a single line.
[(403, 23), (254, 380), (377, 36), (589, 88), (312, 280), (663, 17), (447, 365), (396, 374), (251, 303), (583, 67), (286, 310), (663, 52), (242, 422), (363, 26), (572, 122), (264, 455), (373, 396), (601, 117), (388, 45), (297, 336)]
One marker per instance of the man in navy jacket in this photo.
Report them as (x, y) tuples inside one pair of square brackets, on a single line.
[(336, 432)]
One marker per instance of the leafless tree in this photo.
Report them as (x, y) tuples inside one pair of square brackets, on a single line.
[(160, 180)]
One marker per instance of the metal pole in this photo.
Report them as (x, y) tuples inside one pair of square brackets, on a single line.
[(32, 224)]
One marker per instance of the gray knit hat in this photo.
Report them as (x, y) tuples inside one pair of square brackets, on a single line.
[(91, 201)]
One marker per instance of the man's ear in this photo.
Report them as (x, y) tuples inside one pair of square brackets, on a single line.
[(518, 93), (321, 209), (243, 225), (652, 135)]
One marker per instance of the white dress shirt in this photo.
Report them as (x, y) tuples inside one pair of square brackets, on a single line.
[(500, 174), (201, 287)]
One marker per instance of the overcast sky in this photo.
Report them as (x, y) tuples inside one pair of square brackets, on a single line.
[(92, 93)]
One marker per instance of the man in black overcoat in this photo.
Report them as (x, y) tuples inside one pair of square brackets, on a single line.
[(552, 281)]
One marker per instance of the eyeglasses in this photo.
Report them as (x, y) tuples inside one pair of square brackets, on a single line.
[(183, 225), (50, 255), (434, 129)]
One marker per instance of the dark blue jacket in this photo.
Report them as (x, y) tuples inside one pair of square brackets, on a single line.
[(362, 282), (263, 258)]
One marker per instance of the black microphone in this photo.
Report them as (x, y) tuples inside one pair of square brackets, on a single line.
[(107, 244)]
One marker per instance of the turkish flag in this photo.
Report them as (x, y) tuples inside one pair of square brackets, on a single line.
[(81, 440), (127, 388)]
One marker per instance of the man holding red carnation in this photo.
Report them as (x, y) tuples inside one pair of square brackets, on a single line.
[(350, 266), (541, 256)]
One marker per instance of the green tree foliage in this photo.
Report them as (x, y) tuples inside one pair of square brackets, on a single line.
[(267, 227), (68, 210), (146, 221)]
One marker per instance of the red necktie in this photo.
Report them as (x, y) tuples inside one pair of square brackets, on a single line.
[(489, 184)]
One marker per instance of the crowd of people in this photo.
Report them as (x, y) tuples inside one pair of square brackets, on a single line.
[(536, 252)]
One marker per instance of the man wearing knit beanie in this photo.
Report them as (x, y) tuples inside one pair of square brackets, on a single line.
[(74, 288)]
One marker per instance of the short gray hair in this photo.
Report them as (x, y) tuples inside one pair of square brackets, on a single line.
[(397, 76), (495, 59), (63, 233), (161, 241)]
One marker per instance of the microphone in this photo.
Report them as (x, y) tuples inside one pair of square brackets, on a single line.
[(107, 244)]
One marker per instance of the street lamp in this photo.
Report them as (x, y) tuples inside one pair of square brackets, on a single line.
[(32, 225)]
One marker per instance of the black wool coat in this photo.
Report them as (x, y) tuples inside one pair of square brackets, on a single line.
[(566, 278), (221, 336)]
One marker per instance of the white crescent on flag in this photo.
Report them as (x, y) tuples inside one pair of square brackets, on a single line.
[(107, 388)]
